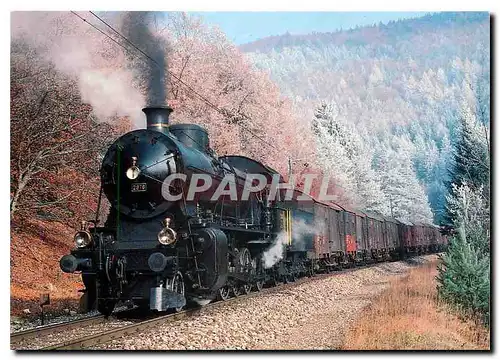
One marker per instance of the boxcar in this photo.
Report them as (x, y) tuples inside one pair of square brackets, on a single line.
[(354, 252), (376, 239), (405, 237), (322, 236), (337, 244), (330, 249), (418, 237), (363, 248), (442, 241), (391, 234), (427, 238), (434, 238)]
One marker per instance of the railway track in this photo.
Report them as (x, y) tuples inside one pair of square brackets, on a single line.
[(98, 330), (31, 339), (25, 335)]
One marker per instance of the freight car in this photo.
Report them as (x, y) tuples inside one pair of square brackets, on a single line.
[(347, 237), (161, 248)]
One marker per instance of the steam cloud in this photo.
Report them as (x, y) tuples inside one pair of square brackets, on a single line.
[(135, 28), (300, 229), (86, 56)]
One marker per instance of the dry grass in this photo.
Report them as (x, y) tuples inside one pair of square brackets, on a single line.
[(408, 316)]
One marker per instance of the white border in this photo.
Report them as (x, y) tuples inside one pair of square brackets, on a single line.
[(186, 5)]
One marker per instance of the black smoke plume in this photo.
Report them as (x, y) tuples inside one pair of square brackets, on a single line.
[(135, 27)]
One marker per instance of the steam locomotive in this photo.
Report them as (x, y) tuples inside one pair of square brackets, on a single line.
[(161, 252)]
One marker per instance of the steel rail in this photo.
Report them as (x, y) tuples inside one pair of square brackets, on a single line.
[(17, 337), (20, 336)]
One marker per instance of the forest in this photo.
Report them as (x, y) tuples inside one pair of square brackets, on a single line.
[(396, 93)]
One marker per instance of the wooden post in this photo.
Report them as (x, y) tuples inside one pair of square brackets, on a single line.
[(44, 300)]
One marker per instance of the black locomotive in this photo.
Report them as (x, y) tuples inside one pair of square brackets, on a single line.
[(160, 252)]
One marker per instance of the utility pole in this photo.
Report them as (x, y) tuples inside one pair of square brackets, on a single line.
[(390, 201), (289, 168)]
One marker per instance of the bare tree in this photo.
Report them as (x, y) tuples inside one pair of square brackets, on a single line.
[(54, 137)]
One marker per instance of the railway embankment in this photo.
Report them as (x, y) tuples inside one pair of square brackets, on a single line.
[(312, 315)]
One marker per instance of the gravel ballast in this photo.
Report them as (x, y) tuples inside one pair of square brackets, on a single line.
[(312, 315)]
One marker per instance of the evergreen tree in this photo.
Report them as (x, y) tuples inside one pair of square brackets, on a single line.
[(463, 276), (332, 150), (407, 196), (464, 273), (349, 158), (471, 211), (470, 159)]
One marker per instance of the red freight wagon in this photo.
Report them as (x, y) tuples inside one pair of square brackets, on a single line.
[(353, 239)]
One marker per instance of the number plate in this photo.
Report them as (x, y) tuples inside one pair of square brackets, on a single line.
[(139, 187)]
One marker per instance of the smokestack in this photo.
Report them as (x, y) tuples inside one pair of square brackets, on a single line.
[(135, 25), (157, 118)]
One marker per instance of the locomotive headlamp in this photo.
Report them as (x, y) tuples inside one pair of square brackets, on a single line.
[(133, 171), (167, 235), (82, 239)]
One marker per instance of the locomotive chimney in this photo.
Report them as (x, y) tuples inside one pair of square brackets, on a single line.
[(157, 117)]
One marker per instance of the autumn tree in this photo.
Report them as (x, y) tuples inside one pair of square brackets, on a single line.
[(92, 81), (56, 142), (246, 113)]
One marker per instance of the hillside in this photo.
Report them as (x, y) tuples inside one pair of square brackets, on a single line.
[(402, 85)]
